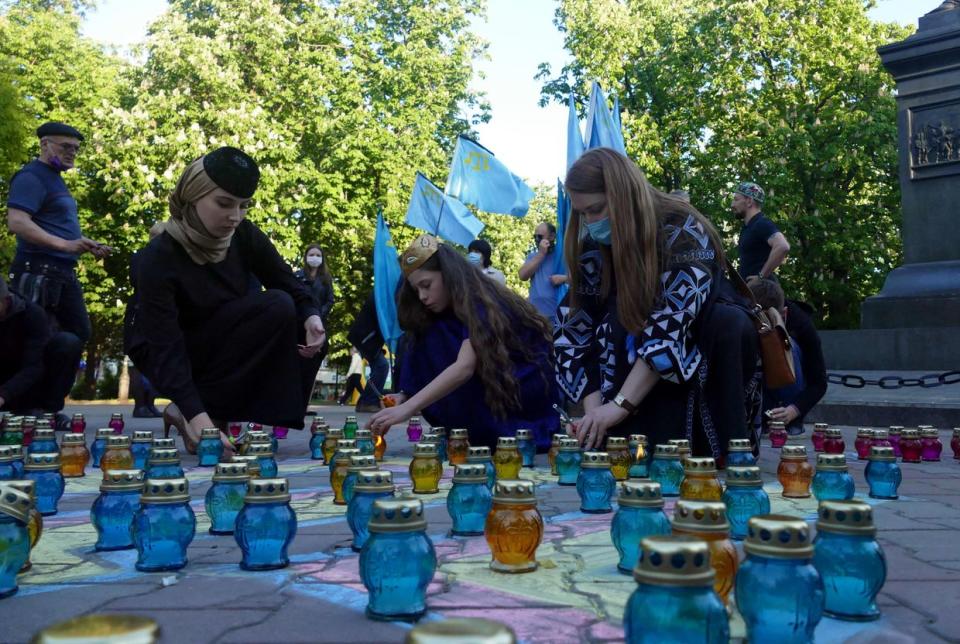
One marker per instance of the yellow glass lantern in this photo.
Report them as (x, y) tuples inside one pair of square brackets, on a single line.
[(620, 457), (514, 527), (425, 469), (506, 459), (700, 481)]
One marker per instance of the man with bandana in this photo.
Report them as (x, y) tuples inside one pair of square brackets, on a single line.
[(42, 214), (762, 246)]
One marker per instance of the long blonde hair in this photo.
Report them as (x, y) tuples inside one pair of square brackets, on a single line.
[(637, 211)]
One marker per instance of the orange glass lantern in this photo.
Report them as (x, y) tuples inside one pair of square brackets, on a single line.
[(553, 451), (425, 469), (457, 447), (514, 527), (700, 482), (341, 464), (507, 459), (329, 447), (620, 457), (118, 455), (794, 472), (379, 446), (74, 455), (707, 520)]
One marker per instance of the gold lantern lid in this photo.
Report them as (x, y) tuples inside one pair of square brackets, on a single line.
[(374, 481), (343, 456), (13, 424), (616, 442), (364, 435), (257, 437), (556, 438), (78, 416), (819, 427), (469, 630), (252, 463), (700, 516), (121, 481), (103, 629), (425, 450), (909, 433), (165, 491), (744, 476), (210, 433), (27, 486), (506, 442), (397, 515), (478, 454), (163, 456), (831, 463), (470, 473), (116, 416), (882, 454), (264, 450), (361, 462), (118, 441), (929, 432), (231, 473), (595, 461), (640, 494), (669, 452), (514, 491), (460, 434), (267, 491), (638, 438), (683, 445), (700, 465), (104, 433), (846, 517), (334, 432), (14, 503), (10, 453), (672, 560), (739, 445), (351, 419), (895, 430), (43, 423), (438, 430), (43, 434), (430, 439), (956, 432), (524, 435), (73, 439), (881, 434), (832, 432), (164, 443), (346, 443), (41, 462), (864, 432), (793, 453), (776, 424), (920, 427), (778, 535), (569, 445), (414, 419), (142, 436), (318, 428)]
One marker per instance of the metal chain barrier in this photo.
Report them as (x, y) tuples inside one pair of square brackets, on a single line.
[(894, 382)]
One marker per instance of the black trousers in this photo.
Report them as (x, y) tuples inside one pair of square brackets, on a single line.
[(61, 356), (63, 297), (353, 384)]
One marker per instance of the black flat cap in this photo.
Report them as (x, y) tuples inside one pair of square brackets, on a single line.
[(233, 170), (54, 128)]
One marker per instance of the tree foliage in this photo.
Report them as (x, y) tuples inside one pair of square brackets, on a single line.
[(787, 93)]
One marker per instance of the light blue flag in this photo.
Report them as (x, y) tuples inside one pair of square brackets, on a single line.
[(602, 130), (479, 179), (616, 116), (386, 277), (574, 137), (563, 218), (433, 212)]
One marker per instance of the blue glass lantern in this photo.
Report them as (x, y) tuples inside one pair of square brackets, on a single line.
[(640, 515), (112, 512), (99, 445), (358, 463), (666, 469), (44, 469), (640, 449), (318, 434), (832, 481), (883, 473), (745, 498), (371, 485), (342, 443), (140, 448), (674, 600), (596, 484), (164, 464), (365, 442), (568, 461), (779, 592), (740, 453), (469, 500), (14, 537), (482, 456), (398, 561), (44, 442), (264, 454), (164, 525), (849, 559), (441, 434), (11, 462), (224, 499), (266, 525), (527, 447), (210, 448)]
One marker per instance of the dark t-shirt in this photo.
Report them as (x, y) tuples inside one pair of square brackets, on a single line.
[(754, 244), (38, 190)]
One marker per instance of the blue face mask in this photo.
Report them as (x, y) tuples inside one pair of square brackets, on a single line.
[(475, 258), (600, 231)]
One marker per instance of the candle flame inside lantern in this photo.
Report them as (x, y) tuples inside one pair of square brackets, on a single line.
[(377, 440), (641, 453)]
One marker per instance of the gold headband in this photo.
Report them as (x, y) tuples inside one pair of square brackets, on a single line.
[(417, 253)]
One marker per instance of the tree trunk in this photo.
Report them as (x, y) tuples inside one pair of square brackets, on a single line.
[(124, 387)]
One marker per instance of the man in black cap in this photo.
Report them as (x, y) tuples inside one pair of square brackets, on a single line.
[(43, 215)]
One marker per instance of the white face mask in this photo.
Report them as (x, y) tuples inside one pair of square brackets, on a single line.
[(314, 261)]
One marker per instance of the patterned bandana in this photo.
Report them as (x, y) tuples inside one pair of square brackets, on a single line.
[(752, 190)]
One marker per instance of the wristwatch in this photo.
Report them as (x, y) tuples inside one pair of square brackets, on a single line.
[(621, 401)]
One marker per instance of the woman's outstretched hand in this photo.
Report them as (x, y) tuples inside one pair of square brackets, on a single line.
[(381, 422), (591, 430), (316, 336)]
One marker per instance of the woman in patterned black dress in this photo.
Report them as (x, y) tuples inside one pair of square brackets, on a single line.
[(653, 339)]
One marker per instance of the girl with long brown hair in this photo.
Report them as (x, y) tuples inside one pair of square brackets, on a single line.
[(654, 339), (477, 356)]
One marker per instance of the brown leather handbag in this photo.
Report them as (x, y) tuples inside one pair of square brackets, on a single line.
[(776, 352)]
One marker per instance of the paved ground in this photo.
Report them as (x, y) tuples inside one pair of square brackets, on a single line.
[(576, 595)]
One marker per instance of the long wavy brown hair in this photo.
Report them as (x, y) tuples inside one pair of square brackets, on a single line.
[(637, 214), (492, 314), (321, 272)]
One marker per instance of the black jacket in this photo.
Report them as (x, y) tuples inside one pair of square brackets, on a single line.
[(364, 333), (24, 332), (321, 291), (800, 328)]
